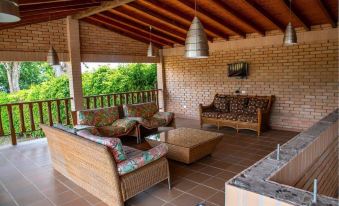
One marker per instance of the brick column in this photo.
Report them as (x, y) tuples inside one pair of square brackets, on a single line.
[(74, 71), (161, 81)]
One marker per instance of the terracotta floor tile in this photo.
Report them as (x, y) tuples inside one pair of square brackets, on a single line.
[(212, 171), (202, 191), (198, 177), (186, 200), (162, 192), (184, 185), (62, 198), (215, 183), (218, 199), (144, 199), (226, 175), (77, 202)]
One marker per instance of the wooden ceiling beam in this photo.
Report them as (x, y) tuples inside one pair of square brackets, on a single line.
[(128, 29), (185, 20), (218, 24), (25, 2), (297, 15), (146, 22), (52, 10), (95, 22), (264, 14), (242, 18), (326, 13), (143, 28), (103, 7), (57, 5)]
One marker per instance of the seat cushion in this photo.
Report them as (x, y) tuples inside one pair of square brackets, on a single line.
[(256, 103), (119, 128), (98, 117), (142, 159), (167, 116), (144, 110), (221, 103), (212, 114), (153, 122), (114, 144), (248, 118), (238, 105), (228, 116)]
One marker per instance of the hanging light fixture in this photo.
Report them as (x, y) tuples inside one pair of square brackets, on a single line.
[(150, 50), (52, 56), (290, 37), (9, 11), (196, 41)]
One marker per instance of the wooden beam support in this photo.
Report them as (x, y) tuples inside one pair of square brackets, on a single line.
[(172, 14), (118, 31), (326, 13), (101, 17), (297, 15), (242, 18), (104, 7), (264, 14), (143, 28), (53, 11), (56, 5), (219, 24)]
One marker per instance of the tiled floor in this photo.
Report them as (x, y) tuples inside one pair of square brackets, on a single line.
[(27, 177)]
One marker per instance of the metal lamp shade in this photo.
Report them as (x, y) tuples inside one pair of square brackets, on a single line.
[(196, 41), (9, 11), (290, 37), (52, 57), (150, 50)]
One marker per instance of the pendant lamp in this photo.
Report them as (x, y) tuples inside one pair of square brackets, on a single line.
[(290, 37), (9, 11), (150, 50), (196, 45), (52, 56)]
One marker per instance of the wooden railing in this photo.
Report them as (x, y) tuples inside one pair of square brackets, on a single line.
[(23, 118)]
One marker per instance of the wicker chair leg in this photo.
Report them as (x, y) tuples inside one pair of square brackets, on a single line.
[(169, 183)]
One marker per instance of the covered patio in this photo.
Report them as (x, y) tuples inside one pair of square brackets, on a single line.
[(300, 80)]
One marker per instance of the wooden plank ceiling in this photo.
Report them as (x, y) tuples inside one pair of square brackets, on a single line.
[(170, 19)]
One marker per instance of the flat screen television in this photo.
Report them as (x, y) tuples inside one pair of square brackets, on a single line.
[(238, 69)]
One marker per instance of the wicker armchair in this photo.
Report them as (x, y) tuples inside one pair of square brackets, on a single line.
[(92, 166)]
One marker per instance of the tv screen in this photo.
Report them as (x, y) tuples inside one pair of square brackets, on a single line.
[(239, 69)]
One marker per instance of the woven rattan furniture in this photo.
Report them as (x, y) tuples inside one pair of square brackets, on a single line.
[(186, 145), (238, 112), (91, 166)]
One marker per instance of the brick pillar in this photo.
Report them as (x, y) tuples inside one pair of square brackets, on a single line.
[(74, 71), (161, 81)]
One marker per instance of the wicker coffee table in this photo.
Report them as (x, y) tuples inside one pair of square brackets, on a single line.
[(186, 144)]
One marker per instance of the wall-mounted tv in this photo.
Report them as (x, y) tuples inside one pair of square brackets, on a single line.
[(238, 69)]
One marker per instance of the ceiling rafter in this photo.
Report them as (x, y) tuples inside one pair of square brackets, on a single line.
[(57, 5), (302, 20), (155, 33), (264, 14), (129, 29), (184, 19), (326, 13), (146, 22), (219, 24), (95, 22), (52, 10), (243, 19)]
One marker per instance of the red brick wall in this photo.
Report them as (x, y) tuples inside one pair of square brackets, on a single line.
[(304, 79)]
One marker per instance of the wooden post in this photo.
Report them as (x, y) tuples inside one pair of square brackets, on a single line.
[(74, 73), (11, 124), (161, 82)]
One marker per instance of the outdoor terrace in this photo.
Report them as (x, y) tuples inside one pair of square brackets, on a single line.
[(27, 177)]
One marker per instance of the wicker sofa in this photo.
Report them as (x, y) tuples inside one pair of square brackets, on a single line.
[(95, 164), (239, 112)]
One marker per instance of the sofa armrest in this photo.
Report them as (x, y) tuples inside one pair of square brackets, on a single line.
[(263, 117), (203, 108), (142, 159)]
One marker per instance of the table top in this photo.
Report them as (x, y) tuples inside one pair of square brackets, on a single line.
[(185, 137)]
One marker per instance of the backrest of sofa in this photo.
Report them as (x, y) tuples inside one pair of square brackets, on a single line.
[(99, 116), (86, 163), (145, 110), (262, 101)]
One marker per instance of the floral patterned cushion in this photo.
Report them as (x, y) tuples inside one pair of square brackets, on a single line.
[(228, 116), (238, 105), (256, 103), (221, 103), (145, 110), (98, 117), (248, 118), (210, 114), (168, 116), (118, 128), (153, 122), (113, 143), (142, 159)]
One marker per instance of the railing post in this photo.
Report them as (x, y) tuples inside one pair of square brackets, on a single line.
[(1, 127), (11, 124)]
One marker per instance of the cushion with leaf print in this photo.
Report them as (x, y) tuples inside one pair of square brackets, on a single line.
[(98, 117), (144, 110)]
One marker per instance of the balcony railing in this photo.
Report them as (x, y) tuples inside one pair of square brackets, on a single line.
[(23, 118)]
